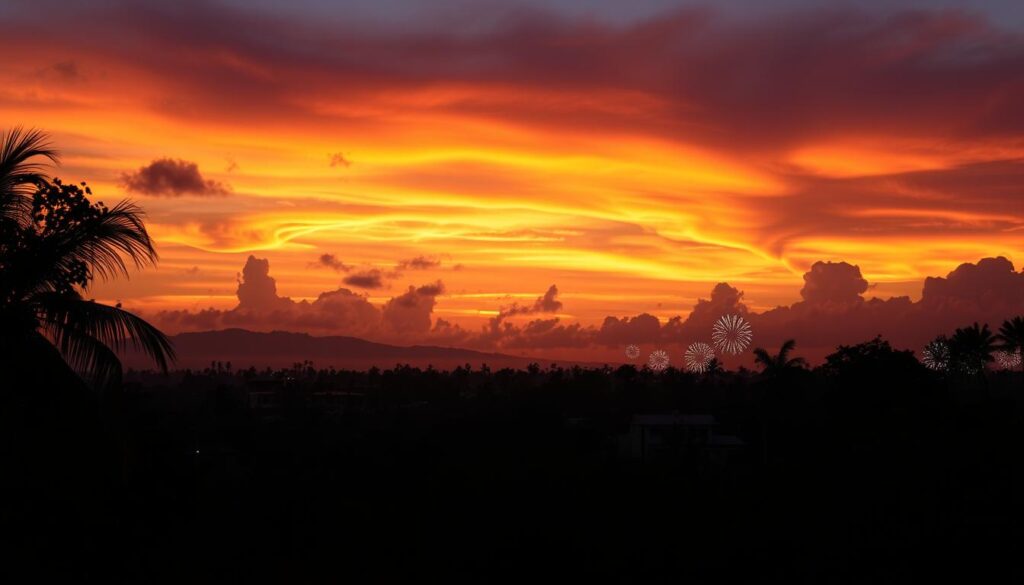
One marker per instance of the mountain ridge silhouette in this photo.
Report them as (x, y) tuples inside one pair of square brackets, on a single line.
[(245, 348)]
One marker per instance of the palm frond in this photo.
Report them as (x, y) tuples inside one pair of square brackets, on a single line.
[(761, 356), (787, 347), (797, 362), (20, 174), (88, 356), (103, 244), (64, 316), (1011, 334)]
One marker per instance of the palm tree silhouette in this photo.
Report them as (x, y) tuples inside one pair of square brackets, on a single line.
[(971, 348), (775, 366), (1011, 336), (53, 243)]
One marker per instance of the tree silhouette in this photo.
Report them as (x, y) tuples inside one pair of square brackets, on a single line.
[(971, 348), (780, 364), (1011, 336), (53, 244), (715, 369)]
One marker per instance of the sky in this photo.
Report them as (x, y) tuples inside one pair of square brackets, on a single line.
[(427, 172)]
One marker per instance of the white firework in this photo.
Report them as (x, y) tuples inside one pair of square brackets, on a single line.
[(632, 351), (658, 360), (935, 356), (732, 334), (1008, 360), (699, 356)]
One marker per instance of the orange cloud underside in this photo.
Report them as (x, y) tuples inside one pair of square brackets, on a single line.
[(484, 175)]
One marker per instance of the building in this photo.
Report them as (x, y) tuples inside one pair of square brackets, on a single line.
[(654, 437)]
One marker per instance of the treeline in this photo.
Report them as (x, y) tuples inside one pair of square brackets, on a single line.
[(870, 467)]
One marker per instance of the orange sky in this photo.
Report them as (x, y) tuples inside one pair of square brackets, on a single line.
[(633, 165)]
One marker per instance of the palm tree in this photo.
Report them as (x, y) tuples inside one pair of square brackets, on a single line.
[(715, 369), (971, 348), (1011, 337), (53, 243), (775, 366)]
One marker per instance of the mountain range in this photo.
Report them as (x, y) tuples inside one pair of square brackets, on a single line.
[(244, 348)]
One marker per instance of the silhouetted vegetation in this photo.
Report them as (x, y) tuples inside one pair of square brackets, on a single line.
[(53, 243), (867, 468)]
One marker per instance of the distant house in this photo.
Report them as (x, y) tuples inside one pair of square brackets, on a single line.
[(265, 395), (270, 397), (655, 437)]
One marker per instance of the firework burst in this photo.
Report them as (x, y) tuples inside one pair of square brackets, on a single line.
[(658, 360), (699, 356), (632, 351), (731, 334), (1008, 360), (936, 356)]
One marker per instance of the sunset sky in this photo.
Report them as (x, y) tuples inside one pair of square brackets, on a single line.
[(634, 154)]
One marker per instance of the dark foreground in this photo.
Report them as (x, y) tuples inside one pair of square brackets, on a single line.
[(882, 473)]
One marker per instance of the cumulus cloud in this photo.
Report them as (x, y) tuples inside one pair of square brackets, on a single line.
[(643, 328), (168, 177), (992, 283), (833, 282), (832, 312), (547, 333), (404, 318), (257, 290), (546, 303), (410, 312)]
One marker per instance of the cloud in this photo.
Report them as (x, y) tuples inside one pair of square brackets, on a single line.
[(419, 263), (66, 71), (833, 312), (338, 159), (643, 328), (833, 282), (431, 290), (724, 300), (404, 318), (991, 284), (372, 278), (331, 261), (410, 312), (541, 334), (257, 290), (790, 97), (171, 178), (754, 83), (546, 303)]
